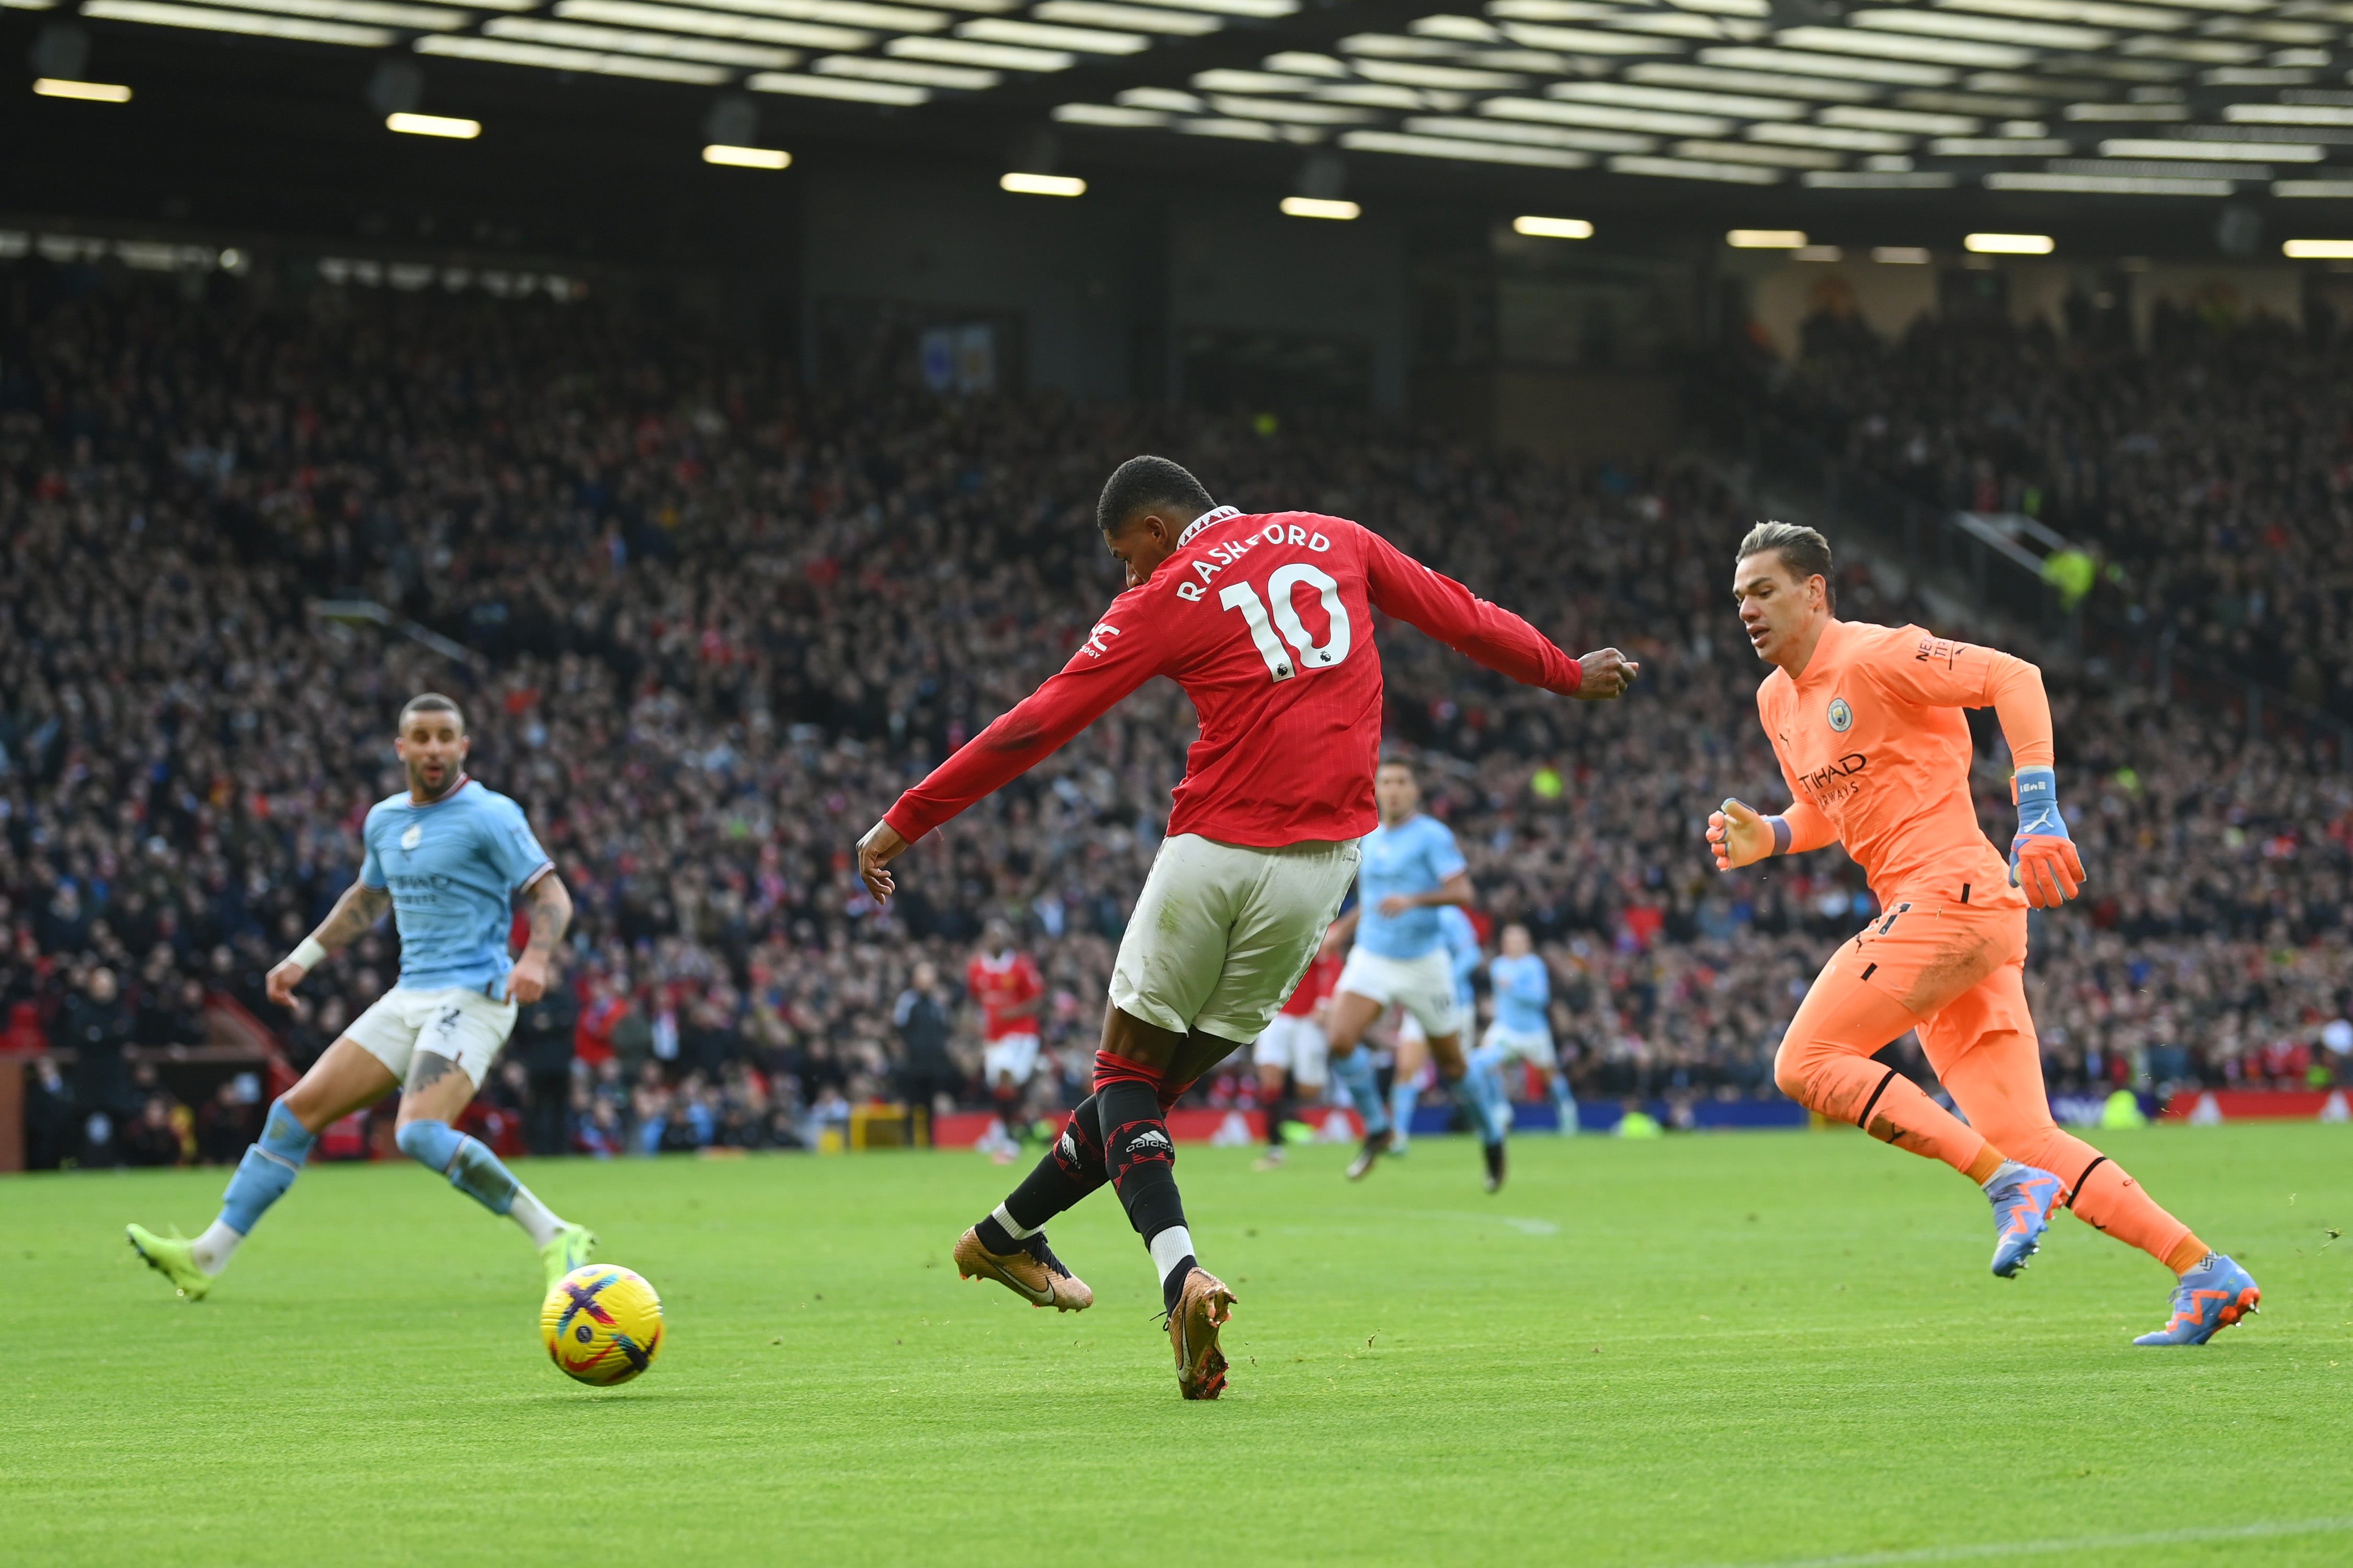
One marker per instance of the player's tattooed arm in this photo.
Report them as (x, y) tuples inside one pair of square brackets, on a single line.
[(360, 908), (549, 904)]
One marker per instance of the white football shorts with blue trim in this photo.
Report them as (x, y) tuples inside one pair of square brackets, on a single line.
[(461, 1025)]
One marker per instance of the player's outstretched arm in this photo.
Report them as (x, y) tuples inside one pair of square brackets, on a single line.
[(1429, 601), (1107, 667), (550, 904), (360, 908)]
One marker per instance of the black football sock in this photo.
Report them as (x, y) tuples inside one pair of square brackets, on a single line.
[(1142, 1161), (1278, 1112), (1070, 1169), (1172, 1284)]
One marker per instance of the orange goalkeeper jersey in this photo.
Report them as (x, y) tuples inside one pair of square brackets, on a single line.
[(1876, 754)]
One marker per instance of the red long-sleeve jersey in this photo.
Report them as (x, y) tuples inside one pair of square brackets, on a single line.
[(1266, 621)]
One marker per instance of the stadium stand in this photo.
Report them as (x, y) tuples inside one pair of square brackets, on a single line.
[(706, 626)]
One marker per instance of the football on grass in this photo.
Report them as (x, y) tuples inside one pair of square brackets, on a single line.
[(603, 1324)]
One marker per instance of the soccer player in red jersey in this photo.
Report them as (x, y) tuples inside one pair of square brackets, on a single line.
[(1267, 623), (1866, 724), (1005, 983), (1292, 1054)]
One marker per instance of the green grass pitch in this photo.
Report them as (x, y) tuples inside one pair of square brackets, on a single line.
[(1730, 1349)]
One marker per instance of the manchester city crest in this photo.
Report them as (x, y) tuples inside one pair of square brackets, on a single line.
[(415, 834), (1842, 716)]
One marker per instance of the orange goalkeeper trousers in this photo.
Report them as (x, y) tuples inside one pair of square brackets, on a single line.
[(1956, 973)]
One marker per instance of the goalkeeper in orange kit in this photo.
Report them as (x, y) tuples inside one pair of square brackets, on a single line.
[(1866, 723)]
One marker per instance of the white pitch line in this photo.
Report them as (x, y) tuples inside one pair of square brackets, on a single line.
[(2076, 1543)]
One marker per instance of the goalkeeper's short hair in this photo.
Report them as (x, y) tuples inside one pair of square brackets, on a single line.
[(1802, 550)]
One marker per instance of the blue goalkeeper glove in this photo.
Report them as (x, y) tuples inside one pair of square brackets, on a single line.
[(2042, 857)]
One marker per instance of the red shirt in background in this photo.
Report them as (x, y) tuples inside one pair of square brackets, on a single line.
[(1002, 984), (1322, 976), (592, 1037)]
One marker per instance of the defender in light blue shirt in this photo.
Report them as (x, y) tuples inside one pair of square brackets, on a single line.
[(448, 859), (453, 867), (1410, 871), (1402, 865), (1522, 1029)]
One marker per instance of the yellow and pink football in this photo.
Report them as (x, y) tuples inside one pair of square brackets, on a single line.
[(603, 1324)]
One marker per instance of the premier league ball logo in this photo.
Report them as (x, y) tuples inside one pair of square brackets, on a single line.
[(1842, 716)]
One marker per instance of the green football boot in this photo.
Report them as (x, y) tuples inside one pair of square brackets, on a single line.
[(174, 1258), (573, 1246)]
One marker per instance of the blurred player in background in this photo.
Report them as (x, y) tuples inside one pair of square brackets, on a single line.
[(1291, 1055), (1409, 1057), (1401, 956), (448, 858), (1005, 980), (1267, 623), (1866, 723), (1521, 1030)]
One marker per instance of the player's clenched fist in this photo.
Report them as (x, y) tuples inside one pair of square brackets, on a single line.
[(1605, 675), (1740, 835)]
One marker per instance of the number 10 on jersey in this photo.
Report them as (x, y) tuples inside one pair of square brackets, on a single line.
[(1280, 664)]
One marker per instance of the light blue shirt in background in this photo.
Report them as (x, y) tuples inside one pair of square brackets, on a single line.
[(453, 868), (1417, 855), (1462, 952), (1522, 994)]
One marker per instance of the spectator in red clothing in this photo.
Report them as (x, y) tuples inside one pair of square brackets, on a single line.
[(1007, 985), (592, 1039)]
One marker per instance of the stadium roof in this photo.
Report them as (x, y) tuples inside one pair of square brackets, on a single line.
[(2132, 104)]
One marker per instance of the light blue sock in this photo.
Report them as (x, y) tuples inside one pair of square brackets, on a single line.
[(1403, 1095), (471, 1168), (1565, 1100), (1354, 1073), (1464, 1092), (268, 1169), (1487, 1079)]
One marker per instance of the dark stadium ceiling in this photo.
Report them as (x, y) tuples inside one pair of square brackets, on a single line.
[(2194, 98), (2023, 105)]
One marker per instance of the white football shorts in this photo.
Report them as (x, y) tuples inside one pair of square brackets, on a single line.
[(1423, 987), (1222, 932), (1524, 1044), (1010, 1056), (457, 1025), (1297, 1046)]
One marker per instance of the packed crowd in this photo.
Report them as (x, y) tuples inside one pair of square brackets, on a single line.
[(2208, 470), (718, 625)]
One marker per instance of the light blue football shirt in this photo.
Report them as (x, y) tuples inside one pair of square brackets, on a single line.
[(453, 867), (1414, 857), (1463, 951), (1522, 992)]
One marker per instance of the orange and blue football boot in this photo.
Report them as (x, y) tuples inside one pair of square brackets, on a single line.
[(2022, 1200), (2210, 1298)]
